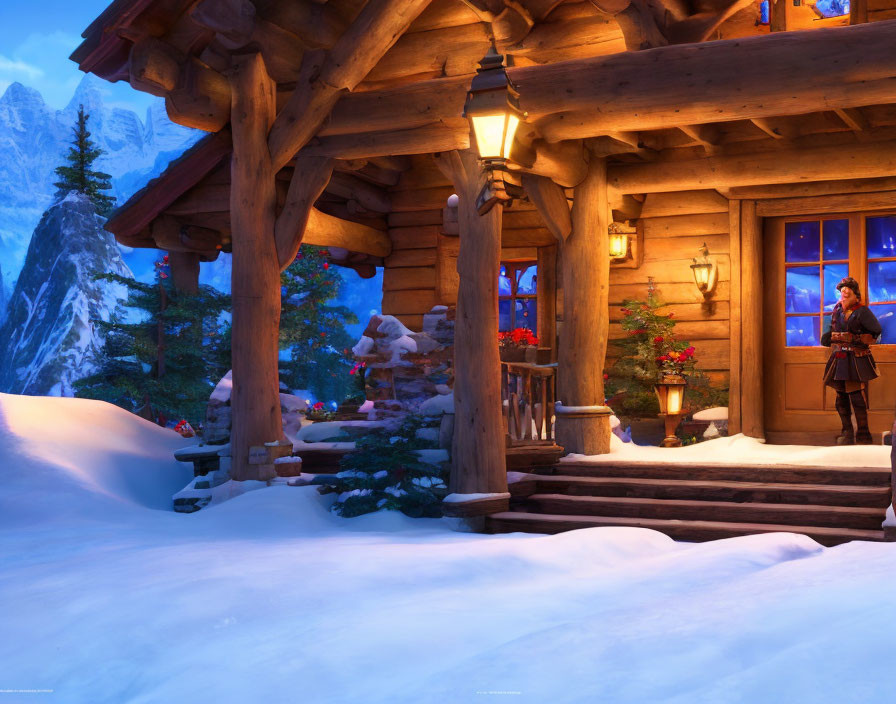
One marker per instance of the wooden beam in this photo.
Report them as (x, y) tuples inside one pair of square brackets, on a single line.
[(309, 178), (328, 231), (371, 197), (358, 50), (585, 265), (812, 188), (547, 299), (551, 202), (767, 127), (736, 336), (478, 462), (851, 202), (185, 271), (704, 136), (255, 278), (784, 166), (775, 76), (853, 118), (751, 297)]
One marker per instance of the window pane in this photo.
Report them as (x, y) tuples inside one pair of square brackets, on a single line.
[(881, 281), (803, 290), (836, 239), (504, 316), (832, 8), (886, 314), (881, 234), (801, 241), (503, 284), (527, 280), (802, 331), (526, 316), (833, 274)]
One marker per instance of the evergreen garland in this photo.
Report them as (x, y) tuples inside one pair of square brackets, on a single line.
[(386, 472), (77, 175), (312, 331), (175, 373)]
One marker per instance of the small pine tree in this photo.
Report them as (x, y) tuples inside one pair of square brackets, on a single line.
[(312, 331), (77, 175), (173, 355), (387, 471), (650, 348)]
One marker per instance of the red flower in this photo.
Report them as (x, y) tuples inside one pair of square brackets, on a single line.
[(326, 265), (671, 315), (658, 339), (606, 376), (318, 406)]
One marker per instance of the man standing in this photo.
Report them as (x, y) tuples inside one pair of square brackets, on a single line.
[(851, 366)]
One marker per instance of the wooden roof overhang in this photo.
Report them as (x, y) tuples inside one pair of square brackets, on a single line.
[(687, 126)]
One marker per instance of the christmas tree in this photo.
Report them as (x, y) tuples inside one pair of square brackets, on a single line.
[(170, 350), (311, 331), (77, 175)]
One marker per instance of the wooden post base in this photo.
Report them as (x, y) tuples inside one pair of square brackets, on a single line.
[(583, 430)]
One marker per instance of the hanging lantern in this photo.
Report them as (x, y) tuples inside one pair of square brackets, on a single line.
[(493, 109), (619, 241)]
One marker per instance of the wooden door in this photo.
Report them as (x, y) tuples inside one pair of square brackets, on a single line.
[(804, 259)]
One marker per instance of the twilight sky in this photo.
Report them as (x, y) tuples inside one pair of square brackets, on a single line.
[(36, 39)]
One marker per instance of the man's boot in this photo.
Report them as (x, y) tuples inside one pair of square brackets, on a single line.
[(846, 436), (860, 408)]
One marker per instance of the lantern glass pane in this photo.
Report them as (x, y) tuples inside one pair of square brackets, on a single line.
[(489, 130), (512, 123), (618, 246), (701, 275), (673, 400)]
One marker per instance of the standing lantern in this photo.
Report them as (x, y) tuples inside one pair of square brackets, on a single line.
[(493, 109), (670, 394)]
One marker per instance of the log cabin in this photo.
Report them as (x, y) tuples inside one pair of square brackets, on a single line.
[(765, 131)]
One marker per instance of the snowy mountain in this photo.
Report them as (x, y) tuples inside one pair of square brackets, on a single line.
[(4, 298), (48, 340), (34, 139)]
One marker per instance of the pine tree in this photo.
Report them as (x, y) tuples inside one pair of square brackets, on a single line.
[(173, 354), (312, 331), (397, 469), (77, 175)]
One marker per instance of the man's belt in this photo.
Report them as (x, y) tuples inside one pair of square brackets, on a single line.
[(844, 337), (857, 351)]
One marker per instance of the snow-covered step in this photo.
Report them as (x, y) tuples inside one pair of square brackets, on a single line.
[(791, 474), (761, 492), (790, 514), (692, 531)]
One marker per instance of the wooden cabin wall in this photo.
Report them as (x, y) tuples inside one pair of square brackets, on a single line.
[(674, 227), (410, 282)]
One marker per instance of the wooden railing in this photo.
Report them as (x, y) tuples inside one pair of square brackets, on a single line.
[(528, 392)]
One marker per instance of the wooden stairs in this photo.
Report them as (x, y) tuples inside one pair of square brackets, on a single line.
[(697, 503)]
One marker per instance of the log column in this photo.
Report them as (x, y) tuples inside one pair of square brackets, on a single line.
[(751, 375), (255, 280), (478, 457), (582, 421)]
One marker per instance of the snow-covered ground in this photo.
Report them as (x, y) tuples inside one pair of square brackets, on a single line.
[(109, 597)]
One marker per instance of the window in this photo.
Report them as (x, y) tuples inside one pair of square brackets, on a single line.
[(817, 256), (517, 296), (880, 238)]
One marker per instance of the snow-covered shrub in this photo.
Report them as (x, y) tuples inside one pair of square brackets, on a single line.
[(391, 468)]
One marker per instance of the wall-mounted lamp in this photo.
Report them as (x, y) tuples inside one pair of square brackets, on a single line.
[(493, 109), (619, 242), (705, 272)]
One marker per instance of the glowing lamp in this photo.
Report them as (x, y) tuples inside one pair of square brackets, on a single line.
[(493, 109), (705, 272), (670, 394)]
